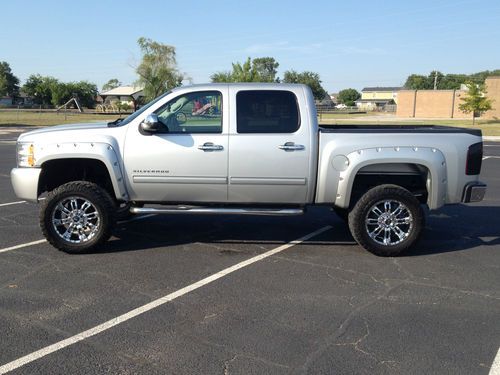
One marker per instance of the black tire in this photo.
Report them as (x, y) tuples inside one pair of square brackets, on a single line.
[(391, 233), (94, 223)]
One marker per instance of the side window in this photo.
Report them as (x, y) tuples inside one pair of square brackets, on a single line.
[(267, 111), (196, 112)]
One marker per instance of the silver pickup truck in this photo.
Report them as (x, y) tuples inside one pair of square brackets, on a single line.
[(244, 149)]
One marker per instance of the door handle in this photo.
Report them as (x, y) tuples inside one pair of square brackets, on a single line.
[(291, 146), (209, 146)]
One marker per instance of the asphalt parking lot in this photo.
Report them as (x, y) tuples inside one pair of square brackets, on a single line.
[(322, 306)]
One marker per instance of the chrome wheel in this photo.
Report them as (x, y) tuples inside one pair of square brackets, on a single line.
[(76, 219), (389, 222)]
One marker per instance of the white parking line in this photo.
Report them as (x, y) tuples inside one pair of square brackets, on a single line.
[(22, 245), (11, 203), (150, 306), (495, 366), (490, 157), (18, 202)]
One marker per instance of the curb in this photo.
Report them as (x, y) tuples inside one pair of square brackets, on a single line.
[(491, 138)]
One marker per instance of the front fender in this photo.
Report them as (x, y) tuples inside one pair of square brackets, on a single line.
[(103, 152)]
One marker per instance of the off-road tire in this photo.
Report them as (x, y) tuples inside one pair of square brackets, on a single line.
[(358, 218), (101, 201)]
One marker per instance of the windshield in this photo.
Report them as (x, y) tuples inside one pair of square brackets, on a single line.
[(141, 110)]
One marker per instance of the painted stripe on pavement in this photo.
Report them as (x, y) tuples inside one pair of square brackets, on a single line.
[(150, 306)]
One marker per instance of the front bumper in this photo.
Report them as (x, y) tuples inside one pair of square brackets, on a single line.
[(25, 182), (474, 192)]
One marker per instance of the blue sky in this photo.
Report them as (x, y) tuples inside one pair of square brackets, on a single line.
[(350, 44)]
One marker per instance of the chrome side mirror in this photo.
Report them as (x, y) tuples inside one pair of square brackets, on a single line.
[(151, 123)]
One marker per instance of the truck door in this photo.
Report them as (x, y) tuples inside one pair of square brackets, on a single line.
[(187, 160), (269, 147)]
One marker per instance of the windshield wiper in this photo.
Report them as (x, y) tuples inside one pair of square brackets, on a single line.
[(115, 123)]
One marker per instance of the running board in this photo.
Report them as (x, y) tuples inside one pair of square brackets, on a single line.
[(220, 211)]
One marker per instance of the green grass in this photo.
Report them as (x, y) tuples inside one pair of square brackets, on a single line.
[(34, 118)]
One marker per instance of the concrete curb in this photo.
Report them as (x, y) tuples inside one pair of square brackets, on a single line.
[(491, 138)]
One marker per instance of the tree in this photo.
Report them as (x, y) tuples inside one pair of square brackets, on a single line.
[(221, 77), (40, 88), (446, 81), (262, 69), (266, 69), (158, 68), (9, 83), (475, 101), (308, 78), (348, 97), (113, 83)]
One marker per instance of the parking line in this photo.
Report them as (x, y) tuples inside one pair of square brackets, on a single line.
[(495, 366), (150, 306), (22, 245), (11, 203), (490, 157)]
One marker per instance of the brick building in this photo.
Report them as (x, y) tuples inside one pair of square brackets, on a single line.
[(444, 103)]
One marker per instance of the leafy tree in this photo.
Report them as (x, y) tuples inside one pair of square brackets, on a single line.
[(266, 69), (417, 82), (9, 83), (221, 77), (308, 78), (113, 83), (446, 81), (48, 90), (475, 101), (348, 96), (40, 88), (158, 69), (262, 69), (244, 72)]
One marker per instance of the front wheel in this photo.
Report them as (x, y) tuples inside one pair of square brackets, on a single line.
[(387, 220), (77, 217)]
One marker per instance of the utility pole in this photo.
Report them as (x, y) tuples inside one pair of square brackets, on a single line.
[(435, 79)]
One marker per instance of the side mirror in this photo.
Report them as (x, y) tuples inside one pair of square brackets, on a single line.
[(151, 124)]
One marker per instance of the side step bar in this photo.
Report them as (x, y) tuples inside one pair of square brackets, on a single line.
[(222, 211)]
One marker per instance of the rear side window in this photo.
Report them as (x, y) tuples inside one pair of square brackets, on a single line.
[(269, 111)]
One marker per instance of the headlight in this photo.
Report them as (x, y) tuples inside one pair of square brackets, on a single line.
[(25, 155)]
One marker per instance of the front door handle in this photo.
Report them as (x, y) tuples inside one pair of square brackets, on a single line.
[(209, 146), (291, 146)]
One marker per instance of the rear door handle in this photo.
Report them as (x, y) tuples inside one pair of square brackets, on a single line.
[(209, 146), (291, 146)]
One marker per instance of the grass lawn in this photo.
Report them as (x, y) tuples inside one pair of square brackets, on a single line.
[(33, 118)]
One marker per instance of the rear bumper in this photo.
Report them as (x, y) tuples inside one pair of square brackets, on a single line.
[(474, 192), (25, 182)]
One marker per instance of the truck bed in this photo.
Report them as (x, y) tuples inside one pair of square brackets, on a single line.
[(373, 128)]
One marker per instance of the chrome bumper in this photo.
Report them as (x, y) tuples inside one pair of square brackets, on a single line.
[(25, 183), (474, 192)]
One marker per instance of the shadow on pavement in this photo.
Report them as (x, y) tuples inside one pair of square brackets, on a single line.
[(454, 228)]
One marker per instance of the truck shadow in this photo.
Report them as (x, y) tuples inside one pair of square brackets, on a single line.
[(454, 228), (459, 227)]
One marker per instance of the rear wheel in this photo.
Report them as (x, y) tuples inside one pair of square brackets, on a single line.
[(77, 217), (387, 220)]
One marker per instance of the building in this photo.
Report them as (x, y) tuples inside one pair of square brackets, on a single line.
[(377, 97), (125, 94), (493, 92), (445, 103)]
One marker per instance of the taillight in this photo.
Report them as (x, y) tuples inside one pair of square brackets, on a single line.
[(474, 159)]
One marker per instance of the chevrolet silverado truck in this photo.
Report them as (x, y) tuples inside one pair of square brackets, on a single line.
[(244, 149)]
